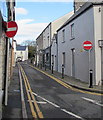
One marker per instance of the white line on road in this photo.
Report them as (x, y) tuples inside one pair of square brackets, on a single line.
[(64, 110), (24, 111), (70, 113), (40, 102), (93, 101), (47, 100)]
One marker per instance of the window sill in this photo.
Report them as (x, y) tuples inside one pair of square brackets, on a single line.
[(72, 38), (63, 41)]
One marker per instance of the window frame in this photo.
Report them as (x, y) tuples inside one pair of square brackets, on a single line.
[(72, 31), (63, 35)]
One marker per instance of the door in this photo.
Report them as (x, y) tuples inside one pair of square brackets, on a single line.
[(73, 62)]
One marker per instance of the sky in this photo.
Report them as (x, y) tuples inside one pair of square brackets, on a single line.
[(32, 17)]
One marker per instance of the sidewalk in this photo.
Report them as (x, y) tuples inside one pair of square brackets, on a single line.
[(76, 83), (13, 109)]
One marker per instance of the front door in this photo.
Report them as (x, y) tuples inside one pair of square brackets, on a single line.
[(73, 62)]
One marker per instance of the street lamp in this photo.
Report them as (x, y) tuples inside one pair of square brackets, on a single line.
[(100, 44)]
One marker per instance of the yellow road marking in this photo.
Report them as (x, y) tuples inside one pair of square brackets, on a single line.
[(66, 85), (28, 89), (30, 102), (35, 103)]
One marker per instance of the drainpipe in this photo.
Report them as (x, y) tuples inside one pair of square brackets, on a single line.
[(6, 71), (100, 43)]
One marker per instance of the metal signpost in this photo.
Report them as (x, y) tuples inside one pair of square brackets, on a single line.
[(11, 30), (87, 45)]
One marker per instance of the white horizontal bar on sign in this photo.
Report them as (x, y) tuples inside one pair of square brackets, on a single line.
[(87, 45), (11, 29)]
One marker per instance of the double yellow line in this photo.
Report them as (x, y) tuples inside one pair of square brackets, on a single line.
[(32, 101), (66, 85)]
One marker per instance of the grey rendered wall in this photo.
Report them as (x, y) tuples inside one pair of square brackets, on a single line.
[(46, 34), (98, 36), (83, 31), (102, 21), (54, 52), (2, 63)]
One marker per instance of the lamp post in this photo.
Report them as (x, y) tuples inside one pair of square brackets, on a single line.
[(100, 44)]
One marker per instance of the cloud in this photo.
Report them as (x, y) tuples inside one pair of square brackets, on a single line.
[(28, 30), (21, 11)]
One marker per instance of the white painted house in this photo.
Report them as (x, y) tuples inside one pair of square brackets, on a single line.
[(46, 39), (84, 25), (21, 52)]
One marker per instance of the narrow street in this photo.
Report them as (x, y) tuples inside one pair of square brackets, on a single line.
[(57, 100), (51, 59)]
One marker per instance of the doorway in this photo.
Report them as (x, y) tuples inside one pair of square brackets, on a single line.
[(73, 62)]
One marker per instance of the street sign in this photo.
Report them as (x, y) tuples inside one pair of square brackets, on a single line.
[(11, 29), (87, 45)]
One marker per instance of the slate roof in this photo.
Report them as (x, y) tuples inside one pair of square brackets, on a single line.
[(85, 7), (20, 48)]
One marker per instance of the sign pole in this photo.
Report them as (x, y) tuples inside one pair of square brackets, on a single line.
[(87, 45), (90, 72)]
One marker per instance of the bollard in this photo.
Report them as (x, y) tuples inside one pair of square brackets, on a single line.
[(91, 79)]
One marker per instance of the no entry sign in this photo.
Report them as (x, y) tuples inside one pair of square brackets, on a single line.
[(11, 29), (87, 45)]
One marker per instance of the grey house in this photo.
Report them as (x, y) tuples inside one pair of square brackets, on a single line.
[(85, 25), (45, 39)]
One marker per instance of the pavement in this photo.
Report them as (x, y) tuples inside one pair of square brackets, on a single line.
[(13, 109), (76, 83)]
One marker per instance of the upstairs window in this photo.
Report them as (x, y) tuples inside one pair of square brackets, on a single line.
[(63, 35), (72, 31), (48, 40)]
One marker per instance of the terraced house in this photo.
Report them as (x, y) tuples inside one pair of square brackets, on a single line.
[(7, 13), (84, 25), (62, 45), (45, 39)]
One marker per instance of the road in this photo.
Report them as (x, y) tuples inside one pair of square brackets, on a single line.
[(55, 100)]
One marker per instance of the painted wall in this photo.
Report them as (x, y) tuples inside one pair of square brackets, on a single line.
[(97, 36), (83, 31), (22, 54), (55, 26), (47, 36)]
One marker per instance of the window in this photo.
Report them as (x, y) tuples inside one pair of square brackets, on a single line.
[(52, 59), (48, 40), (63, 59), (72, 30), (47, 56), (63, 34)]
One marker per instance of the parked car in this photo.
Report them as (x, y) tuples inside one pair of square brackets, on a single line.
[(19, 59)]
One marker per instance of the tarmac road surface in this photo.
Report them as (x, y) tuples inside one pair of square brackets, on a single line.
[(56, 100)]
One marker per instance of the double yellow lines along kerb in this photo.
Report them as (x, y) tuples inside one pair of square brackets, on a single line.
[(65, 84), (31, 98)]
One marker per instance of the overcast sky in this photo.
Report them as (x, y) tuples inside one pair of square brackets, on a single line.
[(33, 17)]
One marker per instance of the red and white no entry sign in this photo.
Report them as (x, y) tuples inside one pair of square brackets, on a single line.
[(87, 45), (11, 29)]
